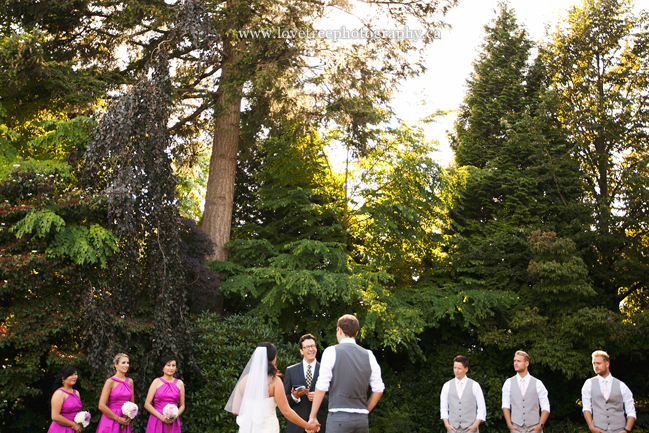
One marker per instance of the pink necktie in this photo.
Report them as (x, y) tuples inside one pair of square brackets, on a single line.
[(605, 390), (459, 389), (522, 386)]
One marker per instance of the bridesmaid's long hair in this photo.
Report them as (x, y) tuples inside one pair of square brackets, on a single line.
[(66, 371), (271, 352)]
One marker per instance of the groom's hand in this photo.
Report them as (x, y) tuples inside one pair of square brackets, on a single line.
[(314, 420)]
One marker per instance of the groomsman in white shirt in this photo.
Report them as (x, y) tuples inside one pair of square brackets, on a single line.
[(523, 396), (606, 399), (462, 404)]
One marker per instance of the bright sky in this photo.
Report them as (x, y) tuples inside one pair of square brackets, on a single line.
[(449, 61)]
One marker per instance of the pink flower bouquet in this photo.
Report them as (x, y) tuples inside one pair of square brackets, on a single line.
[(82, 418), (129, 409), (170, 411)]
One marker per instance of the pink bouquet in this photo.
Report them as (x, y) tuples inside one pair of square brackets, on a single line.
[(129, 409), (82, 418), (170, 411)]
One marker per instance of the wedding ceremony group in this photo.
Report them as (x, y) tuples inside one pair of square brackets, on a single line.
[(332, 395), (210, 231)]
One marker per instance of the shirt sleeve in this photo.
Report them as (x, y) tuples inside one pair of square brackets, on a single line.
[(627, 397), (443, 402), (543, 396), (326, 368), (506, 394), (479, 398), (376, 383), (586, 401)]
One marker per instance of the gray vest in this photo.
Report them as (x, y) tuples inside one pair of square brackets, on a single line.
[(350, 378), (607, 414), (525, 408), (461, 411)]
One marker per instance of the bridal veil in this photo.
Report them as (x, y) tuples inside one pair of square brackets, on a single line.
[(248, 397)]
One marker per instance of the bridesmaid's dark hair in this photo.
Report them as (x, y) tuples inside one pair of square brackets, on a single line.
[(166, 360), (66, 371), (271, 353)]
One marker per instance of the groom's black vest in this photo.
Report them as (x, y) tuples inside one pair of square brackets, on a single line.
[(350, 378)]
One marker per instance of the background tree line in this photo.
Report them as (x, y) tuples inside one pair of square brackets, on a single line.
[(535, 238)]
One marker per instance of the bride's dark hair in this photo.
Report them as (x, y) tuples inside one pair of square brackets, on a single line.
[(271, 353)]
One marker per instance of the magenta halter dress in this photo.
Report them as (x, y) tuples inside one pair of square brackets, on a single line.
[(118, 396), (70, 408), (167, 393)]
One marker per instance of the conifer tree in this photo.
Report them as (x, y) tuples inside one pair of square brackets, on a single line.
[(599, 65), (523, 192)]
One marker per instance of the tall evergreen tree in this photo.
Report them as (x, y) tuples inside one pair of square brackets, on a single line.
[(511, 226), (599, 66)]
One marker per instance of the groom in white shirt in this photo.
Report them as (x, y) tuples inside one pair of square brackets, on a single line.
[(606, 399), (462, 404), (346, 371), (523, 397)]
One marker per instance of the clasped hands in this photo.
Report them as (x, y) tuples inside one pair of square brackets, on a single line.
[(124, 420), (313, 422), (537, 427)]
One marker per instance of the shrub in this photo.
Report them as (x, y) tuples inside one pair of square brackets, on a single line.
[(222, 348)]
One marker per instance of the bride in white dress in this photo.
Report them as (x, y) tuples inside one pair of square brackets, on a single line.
[(258, 392)]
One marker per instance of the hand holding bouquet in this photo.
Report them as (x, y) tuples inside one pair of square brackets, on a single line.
[(82, 418), (170, 412), (129, 409)]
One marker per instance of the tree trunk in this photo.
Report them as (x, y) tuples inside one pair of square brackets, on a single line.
[(219, 197)]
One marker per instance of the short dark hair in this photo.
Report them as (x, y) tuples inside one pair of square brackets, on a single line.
[(166, 360), (66, 371), (462, 360), (349, 325), (305, 337)]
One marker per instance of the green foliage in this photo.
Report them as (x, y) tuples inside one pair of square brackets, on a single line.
[(41, 311), (222, 347), (294, 260), (598, 63), (41, 145)]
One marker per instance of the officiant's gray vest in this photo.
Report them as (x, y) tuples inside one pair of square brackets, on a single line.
[(350, 378), (525, 408), (461, 411), (608, 414)]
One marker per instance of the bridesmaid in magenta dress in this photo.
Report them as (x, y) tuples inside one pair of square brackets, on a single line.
[(163, 391), (117, 390), (66, 402)]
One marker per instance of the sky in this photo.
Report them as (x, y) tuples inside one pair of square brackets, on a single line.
[(450, 61)]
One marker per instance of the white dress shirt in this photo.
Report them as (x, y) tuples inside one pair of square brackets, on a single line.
[(304, 367), (326, 372), (477, 393), (627, 395), (542, 393)]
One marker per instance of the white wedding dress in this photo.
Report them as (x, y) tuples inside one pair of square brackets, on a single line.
[(270, 423)]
